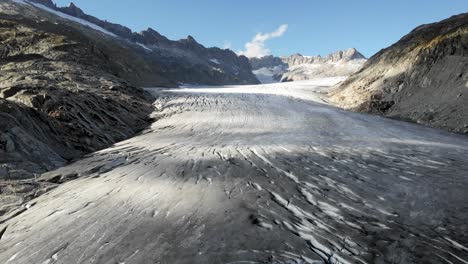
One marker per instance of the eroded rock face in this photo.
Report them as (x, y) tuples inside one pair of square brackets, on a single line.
[(421, 78), (58, 99)]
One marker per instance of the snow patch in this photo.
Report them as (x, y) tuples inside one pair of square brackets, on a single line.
[(144, 46), (68, 17), (215, 61)]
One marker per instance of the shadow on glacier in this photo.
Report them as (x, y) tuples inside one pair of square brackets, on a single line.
[(328, 203)]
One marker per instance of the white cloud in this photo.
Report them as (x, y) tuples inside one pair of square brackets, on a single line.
[(256, 47), (227, 45)]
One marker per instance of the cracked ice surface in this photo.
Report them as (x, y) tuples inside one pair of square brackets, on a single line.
[(255, 174)]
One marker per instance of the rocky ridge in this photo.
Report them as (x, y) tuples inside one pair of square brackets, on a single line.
[(174, 62), (298, 67)]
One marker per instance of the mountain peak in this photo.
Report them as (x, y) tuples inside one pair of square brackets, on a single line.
[(190, 39), (150, 31), (345, 55), (73, 10), (354, 54), (297, 55), (151, 36)]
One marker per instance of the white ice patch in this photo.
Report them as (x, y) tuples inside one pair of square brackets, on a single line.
[(144, 46), (215, 61), (12, 258), (257, 186), (456, 244)]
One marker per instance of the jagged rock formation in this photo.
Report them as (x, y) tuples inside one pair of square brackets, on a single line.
[(421, 78), (298, 67)]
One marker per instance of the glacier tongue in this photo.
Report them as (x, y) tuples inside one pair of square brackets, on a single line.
[(254, 174)]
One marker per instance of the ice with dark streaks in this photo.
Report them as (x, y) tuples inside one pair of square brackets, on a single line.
[(255, 174)]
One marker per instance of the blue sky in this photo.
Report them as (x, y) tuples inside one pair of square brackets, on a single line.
[(313, 27)]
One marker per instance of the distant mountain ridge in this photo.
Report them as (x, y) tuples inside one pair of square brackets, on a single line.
[(175, 62), (298, 67), (335, 57)]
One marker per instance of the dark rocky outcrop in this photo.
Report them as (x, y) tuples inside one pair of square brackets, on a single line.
[(422, 78)]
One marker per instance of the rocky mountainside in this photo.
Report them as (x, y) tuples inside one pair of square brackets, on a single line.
[(161, 62), (59, 98), (69, 86), (421, 78), (298, 67)]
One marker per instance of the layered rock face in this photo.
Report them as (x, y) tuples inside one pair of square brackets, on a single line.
[(298, 67), (422, 78)]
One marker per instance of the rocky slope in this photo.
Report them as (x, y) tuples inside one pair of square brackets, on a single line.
[(421, 78), (298, 67), (58, 98)]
